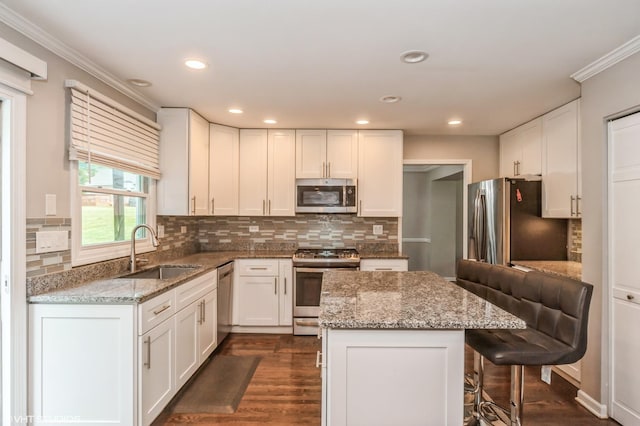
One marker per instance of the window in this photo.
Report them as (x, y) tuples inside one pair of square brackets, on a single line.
[(109, 203), (114, 155)]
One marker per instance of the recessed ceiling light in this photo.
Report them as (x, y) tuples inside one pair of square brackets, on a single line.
[(270, 121), (362, 122), (413, 56), (138, 82), (195, 64), (235, 111), (454, 122), (390, 99)]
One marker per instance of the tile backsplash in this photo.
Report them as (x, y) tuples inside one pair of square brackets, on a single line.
[(575, 240), (47, 263), (312, 230)]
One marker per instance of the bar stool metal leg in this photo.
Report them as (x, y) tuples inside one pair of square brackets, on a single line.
[(478, 380), (517, 386)]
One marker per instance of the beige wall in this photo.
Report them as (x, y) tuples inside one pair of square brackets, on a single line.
[(482, 150), (47, 163), (604, 96)]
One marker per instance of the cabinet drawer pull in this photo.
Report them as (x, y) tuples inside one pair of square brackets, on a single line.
[(258, 268), (384, 269), (148, 343), (161, 310), (318, 359), (630, 297)]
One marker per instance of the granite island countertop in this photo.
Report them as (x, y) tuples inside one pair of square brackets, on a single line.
[(118, 290), (564, 268), (405, 300)]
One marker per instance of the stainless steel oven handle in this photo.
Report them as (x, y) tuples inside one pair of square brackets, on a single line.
[(307, 323)]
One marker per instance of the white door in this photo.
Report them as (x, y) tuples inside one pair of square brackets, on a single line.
[(207, 332), (156, 370), (281, 173), (187, 324), (224, 152), (311, 153), (342, 154), (198, 165), (253, 172), (259, 297), (624, 234)]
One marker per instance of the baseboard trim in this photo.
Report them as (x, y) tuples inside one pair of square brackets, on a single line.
[(594, 407)]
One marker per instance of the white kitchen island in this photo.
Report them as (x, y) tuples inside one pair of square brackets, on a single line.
[(393, 347)]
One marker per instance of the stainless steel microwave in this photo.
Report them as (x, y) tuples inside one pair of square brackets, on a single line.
[(326, 196)]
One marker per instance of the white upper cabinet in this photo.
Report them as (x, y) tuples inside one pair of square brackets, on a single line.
[(521, 150), (224, 153), (560, 162), (253, 172), (380, 173), (281, 176), (267, 172), (183, 188), (327, 154)]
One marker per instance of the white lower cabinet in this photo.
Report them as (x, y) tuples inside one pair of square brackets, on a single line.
[(392, 377), (156, 370), (384, 265), (118, 364), (265, 292)]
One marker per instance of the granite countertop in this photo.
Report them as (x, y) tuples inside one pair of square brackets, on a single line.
[(117, 290), (564, 268), (405, 300)]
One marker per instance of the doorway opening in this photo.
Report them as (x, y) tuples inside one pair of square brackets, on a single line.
[(434, 214)]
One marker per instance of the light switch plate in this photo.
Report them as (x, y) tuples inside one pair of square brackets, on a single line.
[(50, 204), (48, 241), (254, 228), (377, 229), (183, 229)]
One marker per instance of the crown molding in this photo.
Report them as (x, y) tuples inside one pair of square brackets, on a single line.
[(616, 55), (46, 40)]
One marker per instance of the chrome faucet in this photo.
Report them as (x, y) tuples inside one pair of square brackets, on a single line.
[(154, 241)]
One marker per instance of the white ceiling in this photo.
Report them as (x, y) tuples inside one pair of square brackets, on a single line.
[(325, 63)]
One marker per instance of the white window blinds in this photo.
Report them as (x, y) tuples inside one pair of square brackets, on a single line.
[(105, 132)]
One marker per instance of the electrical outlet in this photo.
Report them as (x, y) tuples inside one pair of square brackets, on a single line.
[(545, 374), (254, 228), (48, 241), (183, 229), (160, 231), (377, 229)]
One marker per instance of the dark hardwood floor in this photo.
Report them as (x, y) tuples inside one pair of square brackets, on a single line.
[(285, 389)]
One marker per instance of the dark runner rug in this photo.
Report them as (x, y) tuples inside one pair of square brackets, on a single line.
[(219, 386)]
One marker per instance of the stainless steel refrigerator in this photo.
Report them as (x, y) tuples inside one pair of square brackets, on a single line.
[(505, 223)]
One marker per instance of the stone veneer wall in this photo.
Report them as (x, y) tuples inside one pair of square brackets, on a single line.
[(575, 240), (309, 230)]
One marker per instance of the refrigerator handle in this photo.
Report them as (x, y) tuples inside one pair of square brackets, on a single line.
[(478, 224)]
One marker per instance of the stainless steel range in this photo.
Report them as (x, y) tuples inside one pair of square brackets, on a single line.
[(308, 267)]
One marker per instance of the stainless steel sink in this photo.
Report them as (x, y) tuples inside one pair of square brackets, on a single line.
[(162, 272)]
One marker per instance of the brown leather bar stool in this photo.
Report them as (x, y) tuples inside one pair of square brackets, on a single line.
[(556, 310)]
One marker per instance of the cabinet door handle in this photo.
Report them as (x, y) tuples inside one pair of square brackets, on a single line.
[(263, 207), (360, 208), (572, 211), (269, 209), (578, 199), (515, 170), (204, 311), (161, 310), (329, 169), (275, 286), (148, 343), (193, 208), (324, 170), (213, 206), (285, 285)]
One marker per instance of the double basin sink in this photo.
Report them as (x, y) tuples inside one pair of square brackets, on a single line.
[(161, 272)]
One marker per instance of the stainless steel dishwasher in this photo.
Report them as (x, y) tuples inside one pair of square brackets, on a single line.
[(225, 300)]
